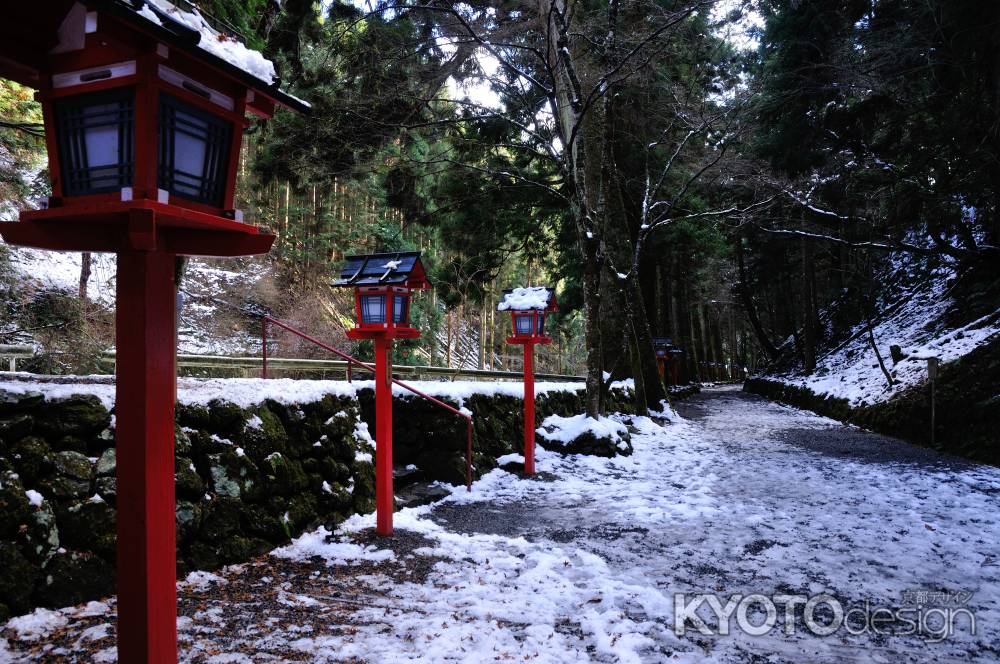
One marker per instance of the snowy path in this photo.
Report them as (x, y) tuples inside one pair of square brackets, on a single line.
[(582, 564)]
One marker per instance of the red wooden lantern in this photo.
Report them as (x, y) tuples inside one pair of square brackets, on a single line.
[(528, 308), (382, 286), (144, 115), (144, 108), (667, 357), (661, 348)]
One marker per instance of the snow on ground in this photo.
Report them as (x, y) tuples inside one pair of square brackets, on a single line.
[(560, 430), (852, 371), (581, 564)]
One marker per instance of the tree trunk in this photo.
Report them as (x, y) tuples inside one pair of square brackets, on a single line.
[(85, 260), (448, 347), (696, 369), (652, 393), (592, 325), (672, 328), (808, 313), (749, 308), (707, 354), (482, 336)]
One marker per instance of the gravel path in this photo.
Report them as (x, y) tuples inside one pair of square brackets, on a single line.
[(793, 503)]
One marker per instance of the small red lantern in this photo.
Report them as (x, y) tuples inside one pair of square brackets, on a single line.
[(528, 308), (382, 286), (667, 355)]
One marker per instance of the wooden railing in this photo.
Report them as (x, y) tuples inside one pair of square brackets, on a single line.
[(9, 355)]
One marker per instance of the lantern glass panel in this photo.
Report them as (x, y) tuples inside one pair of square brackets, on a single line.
[(400, 306), (96, 142), (193, 152), (541, 325), (523, 324), (373, 309)]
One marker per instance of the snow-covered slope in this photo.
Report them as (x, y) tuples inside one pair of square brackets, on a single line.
[(925, 320), (206, 326)]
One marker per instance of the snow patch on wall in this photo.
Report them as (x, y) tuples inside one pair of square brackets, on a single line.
[(246, 392)]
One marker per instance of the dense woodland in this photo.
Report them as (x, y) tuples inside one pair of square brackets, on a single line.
[(739, 176)]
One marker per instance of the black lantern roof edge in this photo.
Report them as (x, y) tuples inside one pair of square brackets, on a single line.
[(384, 269), (178, 35)]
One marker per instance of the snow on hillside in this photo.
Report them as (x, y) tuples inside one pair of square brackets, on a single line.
[(205, 328), (916, 324), (60, 270), (203, 325)]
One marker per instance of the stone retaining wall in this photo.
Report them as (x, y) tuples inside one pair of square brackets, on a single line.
[(248, 478)]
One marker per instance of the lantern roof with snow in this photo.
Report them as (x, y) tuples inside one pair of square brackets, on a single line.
[(401, 268), (34, 36), (531, 298)]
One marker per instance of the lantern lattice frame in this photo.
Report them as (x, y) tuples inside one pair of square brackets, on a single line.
[(398, 327)]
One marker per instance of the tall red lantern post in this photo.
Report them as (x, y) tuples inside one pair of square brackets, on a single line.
[(667, 360), (382, 286), (661, 347), (144, 108), (528, 308)]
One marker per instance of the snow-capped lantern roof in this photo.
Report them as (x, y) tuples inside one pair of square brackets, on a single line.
[(531, 298), (40, 41), (400, 268)]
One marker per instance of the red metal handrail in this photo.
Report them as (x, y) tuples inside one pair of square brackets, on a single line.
[(353, 360)]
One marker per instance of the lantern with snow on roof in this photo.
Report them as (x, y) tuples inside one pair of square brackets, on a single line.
[(383, 284), (528, 308)]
